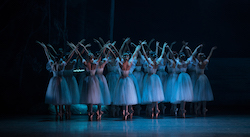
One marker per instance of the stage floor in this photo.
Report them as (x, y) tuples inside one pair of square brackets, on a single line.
[(45, 125)]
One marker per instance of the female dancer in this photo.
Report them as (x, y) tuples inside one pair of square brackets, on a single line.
[(57, 92), (91, 93), (153, 91), (169, 85), (184, 88), (202, 88), (126, 94), (103, 82)]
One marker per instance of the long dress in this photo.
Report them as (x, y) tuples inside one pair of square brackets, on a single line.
[(184, 88), (58, 91), (191, 69), (90, 92), (114, 73), (161, 71), (103, 86), (152, 90), (126, 92), (202, 88), (169, 85), (131, 75)]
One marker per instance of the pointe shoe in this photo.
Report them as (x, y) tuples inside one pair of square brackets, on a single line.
[(183, 113), (176, 112), (99, 115), (131, 113), (125, 115), (204, 111), (60, 116), (157, 112), (91, 114)]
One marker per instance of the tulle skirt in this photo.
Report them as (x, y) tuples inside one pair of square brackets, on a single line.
[(202, 89), (169, 86), (138, 93), (90, 91), (104, 89), (139, 77), (152, 90), (193, 76), (73, 89), (112, 79), (163, 76), (126, 92), (184, 89), (58, 92)]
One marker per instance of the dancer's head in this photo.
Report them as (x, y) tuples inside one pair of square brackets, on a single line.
[(201, 57), (152, 55), (125, 56), (182, 56)]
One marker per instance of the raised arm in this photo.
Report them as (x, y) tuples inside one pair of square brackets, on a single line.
[(145, 55), (123, 44), (156, 47), (98, 42), (162, 53), (196, 50), (45, 50), (211, 52)]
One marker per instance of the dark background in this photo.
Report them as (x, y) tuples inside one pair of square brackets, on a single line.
[(221, 23)]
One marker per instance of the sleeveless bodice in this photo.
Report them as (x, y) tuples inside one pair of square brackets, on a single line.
[(68, 72), (138, 68), (92, 72), (58, 73), (199, 71), (192, 66), (161, 68), (152, 70), (99, 71), (125, 73), (183, 69)]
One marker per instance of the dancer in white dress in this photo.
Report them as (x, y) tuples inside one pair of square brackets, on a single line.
[(126, 92), (153, 90), (184, 87), (91, 93), (202, 89), (57, 92)]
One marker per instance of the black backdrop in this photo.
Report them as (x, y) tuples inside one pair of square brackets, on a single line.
[(221, 23)]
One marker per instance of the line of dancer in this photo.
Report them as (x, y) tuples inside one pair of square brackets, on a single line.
[(134, 78)]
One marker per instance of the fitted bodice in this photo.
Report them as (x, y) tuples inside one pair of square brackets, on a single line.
[(68, 72), (184, 69), (125, 73), (152, 70), (99, 71), (138, 68), (92, 72), (199, 70)]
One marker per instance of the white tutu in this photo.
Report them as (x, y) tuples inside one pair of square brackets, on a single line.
[(202, 89), (169, 86), (125, 91), (138, 93), (163, 75), (184, 89), (152, 90), (104, 89), (58, 91), (139, 77), (90, 90), (72, 85)]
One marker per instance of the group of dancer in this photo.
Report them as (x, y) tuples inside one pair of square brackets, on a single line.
[(141, 77)]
